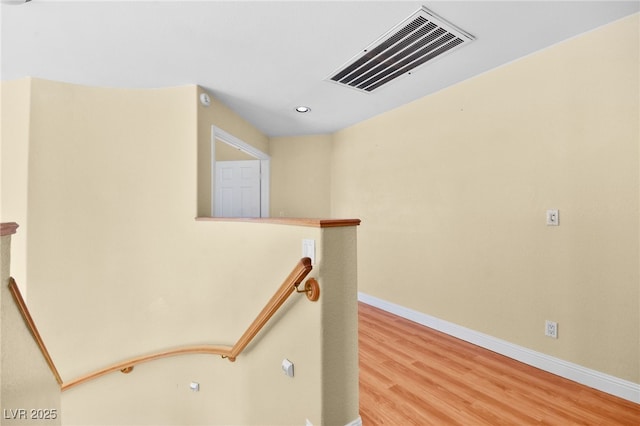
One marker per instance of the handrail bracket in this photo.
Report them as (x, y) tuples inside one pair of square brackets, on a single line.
[(311, 288)]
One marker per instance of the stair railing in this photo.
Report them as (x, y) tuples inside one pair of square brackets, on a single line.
[(31, 325), (290, 284)]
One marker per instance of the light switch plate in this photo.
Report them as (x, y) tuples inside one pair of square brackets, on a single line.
[(553, 217), (309, 250)]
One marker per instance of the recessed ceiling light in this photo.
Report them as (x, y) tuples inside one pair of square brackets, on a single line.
[(302, 109)]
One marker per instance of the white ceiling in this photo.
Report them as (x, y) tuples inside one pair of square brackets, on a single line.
[(263, 58)]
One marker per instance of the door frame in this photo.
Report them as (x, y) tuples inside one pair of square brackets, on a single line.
[(265, 166)]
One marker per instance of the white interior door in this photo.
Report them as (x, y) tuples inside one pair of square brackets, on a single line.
[(237, 188)]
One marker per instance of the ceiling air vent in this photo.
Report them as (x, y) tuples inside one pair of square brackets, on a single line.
[(418, 39)]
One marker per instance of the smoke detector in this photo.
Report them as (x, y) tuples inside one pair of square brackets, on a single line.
[(420, 38)]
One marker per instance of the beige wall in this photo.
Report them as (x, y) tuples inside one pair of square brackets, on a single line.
[(340, 392), (231, 273), (29, 393), (300, 176), (223, 117), (453, 188), (14, 125), (118, 267)]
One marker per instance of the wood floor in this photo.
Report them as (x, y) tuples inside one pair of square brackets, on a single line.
[(413, 375)]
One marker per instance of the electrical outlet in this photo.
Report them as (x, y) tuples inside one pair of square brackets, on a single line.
[(551, 329), (553, 217), (287, 367)]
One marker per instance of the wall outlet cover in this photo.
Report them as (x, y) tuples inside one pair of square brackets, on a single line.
[(287, 367), (551, 329), (553, 217)]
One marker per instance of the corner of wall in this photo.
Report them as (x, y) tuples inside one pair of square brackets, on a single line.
[(29, 392)]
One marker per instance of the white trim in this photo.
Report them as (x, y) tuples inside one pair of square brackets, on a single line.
[(577, 373), (212, 213), (265, 179), (356, 422), (265, 167), (228, 138)]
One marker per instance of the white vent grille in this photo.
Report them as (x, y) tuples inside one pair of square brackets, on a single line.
[(412, 43)]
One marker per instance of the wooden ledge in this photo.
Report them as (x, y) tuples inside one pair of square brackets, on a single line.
[(315, 223), (8, 228)]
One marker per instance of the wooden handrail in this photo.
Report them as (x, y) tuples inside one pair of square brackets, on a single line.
[(314, 223), (127, 366), (289, 285), (24, 311)]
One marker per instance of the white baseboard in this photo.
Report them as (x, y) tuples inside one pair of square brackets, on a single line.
[(577, 373), (356, 422)]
